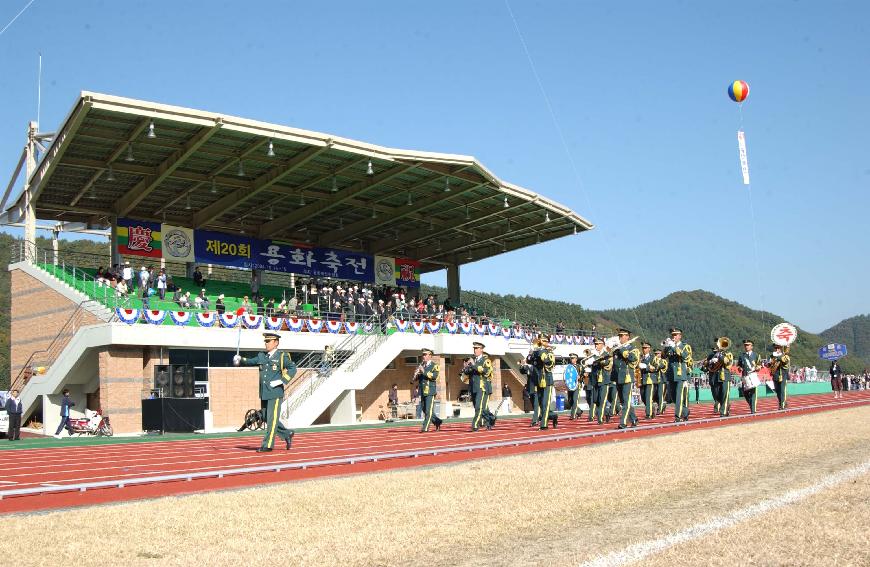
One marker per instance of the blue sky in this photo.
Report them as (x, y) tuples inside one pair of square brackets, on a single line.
[(638, 91)]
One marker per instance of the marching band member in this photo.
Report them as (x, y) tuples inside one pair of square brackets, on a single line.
[(589, 389), (647, 380), (748, 362), (599, 375), (543, 360), (531, 388), (779, 372), (679, 355), (475, 372), (488, 416), (712, 378), (719, 373), (659, 369), (574, 395), (427, 374), (625, 359)]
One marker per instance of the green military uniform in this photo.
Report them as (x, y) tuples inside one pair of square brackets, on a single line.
[(660, 369), (589, 389), (625, 360), (720, 380), (488, 416), (749, 362), (477, 371), (574, 394), (428, 378), (780, 377), (599, 375), (543, 360), (679, 357), (276, 371), (647, 383), (531, 390)]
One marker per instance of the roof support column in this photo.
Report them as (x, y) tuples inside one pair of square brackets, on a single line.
[(113, 242), (29, 208), (453, 283)]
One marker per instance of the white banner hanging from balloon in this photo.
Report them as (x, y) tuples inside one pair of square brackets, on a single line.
[(744, 163)]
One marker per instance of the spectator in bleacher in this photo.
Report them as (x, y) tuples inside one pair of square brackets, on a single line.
[(292, 306), (100, 277), (219, 305), (144, 294), (127, 274), (201, 301), (245, 307), (261, 307), (270, 307), (161, 283), (198, 278), (180, 298), (143, 278), (121, 289)]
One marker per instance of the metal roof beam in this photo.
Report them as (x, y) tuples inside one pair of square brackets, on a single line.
[(465, 242), (318, 207), (115, 155), (144, 188), (239, 196), (133, 169), (359, 227)]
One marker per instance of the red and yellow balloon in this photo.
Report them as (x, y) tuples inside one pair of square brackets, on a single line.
[(738, 91)]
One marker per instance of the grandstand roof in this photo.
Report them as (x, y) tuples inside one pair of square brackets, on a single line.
[(208, 170)]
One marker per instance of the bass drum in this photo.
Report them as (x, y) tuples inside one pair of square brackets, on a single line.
[(571, 378)]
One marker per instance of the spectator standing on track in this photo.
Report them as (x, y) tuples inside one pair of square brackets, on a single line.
[(697, 382), (65, 404), (506, 397), (13, 408)]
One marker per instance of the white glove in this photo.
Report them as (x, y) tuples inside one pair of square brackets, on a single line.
[(642, 366), (237, 360), (714, 360), (587, 368), (275, 383), (670, 343), (776, 354)]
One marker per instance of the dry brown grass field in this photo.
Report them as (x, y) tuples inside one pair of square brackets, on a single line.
[(555, 508)]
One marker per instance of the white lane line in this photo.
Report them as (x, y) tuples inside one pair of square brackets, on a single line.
[(643, 550), (8, 482)]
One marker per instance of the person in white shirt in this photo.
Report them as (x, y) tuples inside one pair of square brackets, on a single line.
[(127, 274), (161, 283)]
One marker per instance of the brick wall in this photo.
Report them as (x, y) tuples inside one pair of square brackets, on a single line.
[(232, 392), (37, 314), (122, 383)]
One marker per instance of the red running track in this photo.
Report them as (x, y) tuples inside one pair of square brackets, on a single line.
[(220, 462)]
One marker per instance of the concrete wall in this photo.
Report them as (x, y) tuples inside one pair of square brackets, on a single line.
[(232, 392), (37, 314), (123, 385)]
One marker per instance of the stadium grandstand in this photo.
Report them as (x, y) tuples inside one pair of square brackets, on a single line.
[(222, 228)]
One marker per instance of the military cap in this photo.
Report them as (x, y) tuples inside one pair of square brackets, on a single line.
[(675, 330), (598, 341), (573, 355), (645, 345), (269, 336), (476, 344), (775, 346), (658, 350), (623, 332), (747, 342), (428, 351)]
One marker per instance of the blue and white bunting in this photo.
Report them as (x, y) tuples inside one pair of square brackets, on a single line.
[(314, 325), (228, 320), (295, 324), (154, 316), (206, 319), (401, 325), (333, 326), (273, 323), (351, 327), (418, 326), (452, 327), (433, 327), (252, 321), (180, 318), (129, 316)]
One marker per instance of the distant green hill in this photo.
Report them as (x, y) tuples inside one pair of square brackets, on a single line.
[(701, 314), (853, 332)]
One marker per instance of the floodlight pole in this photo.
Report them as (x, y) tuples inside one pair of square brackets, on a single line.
[(29, 208)]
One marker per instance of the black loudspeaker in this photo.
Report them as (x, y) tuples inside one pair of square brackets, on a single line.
[(181, 377), (162, 378)]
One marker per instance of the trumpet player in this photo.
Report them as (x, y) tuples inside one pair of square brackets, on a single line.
[(542, 359), (588, 388), (531, 387), (625, 359), (427, 374), (647, 380), (679, 355), (659, 369), (779, 362), (718, 366), (600, 365), (476, 372)]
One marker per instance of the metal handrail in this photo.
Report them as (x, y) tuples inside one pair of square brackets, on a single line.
[(53, 350)]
